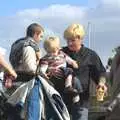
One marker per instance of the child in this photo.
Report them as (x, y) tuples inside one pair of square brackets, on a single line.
[(55, 64)]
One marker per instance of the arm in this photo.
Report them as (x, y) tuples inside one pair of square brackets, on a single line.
[(38, 56), (7, 67), (43, 68), (70, 61), (114, 67), (97, 70)]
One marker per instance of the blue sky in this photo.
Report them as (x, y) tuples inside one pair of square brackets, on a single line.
[(56, 15), (9, 7)]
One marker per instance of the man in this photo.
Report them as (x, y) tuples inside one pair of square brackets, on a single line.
[(90, 67), (25, 53), (114, 76)]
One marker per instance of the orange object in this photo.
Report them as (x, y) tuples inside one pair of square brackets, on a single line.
[(100, 93)]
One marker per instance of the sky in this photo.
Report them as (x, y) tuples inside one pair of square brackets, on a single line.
[(56, 15), (9, 7)]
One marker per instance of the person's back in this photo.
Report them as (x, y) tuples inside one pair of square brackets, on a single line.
[(114, 76)]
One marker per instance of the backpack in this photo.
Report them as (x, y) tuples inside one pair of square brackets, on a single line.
[(16, 52)]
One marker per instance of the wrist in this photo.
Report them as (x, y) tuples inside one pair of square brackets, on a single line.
[(102, 80)]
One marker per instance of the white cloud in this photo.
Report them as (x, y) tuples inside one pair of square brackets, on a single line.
[(55, 17), (104, 17), (55, 11), (112, 3), (2, 51)]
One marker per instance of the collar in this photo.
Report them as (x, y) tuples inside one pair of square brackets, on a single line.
[(31, 39)]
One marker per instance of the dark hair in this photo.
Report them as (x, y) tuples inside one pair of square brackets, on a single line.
[(33, 28)]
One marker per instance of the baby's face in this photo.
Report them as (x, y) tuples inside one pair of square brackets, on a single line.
[(54, 47), (55, 50)]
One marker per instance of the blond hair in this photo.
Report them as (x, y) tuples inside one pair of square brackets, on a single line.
[(73, 31), (51, 44)]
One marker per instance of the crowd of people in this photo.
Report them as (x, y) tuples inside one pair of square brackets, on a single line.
[(68, 69)]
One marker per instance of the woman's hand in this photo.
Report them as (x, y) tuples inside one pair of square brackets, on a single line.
[(9, 78)]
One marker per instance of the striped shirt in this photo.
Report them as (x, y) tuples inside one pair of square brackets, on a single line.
[(53, 64)]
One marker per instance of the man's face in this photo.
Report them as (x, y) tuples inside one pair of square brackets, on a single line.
[(38, 36), (74, 44)]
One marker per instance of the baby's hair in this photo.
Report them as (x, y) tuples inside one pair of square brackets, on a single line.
[(51, 44)]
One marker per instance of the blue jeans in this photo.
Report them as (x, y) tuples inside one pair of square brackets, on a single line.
[(33, 104), (79, 113)]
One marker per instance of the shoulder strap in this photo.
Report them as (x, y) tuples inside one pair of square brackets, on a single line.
[(15, 49), (29, 42)]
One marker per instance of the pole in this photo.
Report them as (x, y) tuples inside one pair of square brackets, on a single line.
[(89, 34)]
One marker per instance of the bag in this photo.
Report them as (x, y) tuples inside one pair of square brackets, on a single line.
[(16, 52)]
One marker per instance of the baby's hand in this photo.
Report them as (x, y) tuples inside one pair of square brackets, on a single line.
[(47, 77), (75, 64)]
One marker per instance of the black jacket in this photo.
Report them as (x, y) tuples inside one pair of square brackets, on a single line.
[(90, 67)]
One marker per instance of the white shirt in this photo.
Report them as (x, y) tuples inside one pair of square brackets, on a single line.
[(29, 64)]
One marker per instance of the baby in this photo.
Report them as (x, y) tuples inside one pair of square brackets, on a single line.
[(54, 63)]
